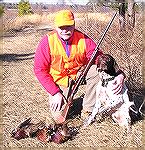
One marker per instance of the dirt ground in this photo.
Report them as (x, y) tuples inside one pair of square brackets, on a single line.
[(24, 97)]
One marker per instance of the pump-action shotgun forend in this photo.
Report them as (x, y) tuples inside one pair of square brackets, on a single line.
[(73, 88)]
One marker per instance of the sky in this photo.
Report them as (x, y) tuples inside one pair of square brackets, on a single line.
[(48, 1), (55, 1)]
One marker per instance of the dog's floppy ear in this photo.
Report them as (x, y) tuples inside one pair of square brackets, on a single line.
[(114, 64)]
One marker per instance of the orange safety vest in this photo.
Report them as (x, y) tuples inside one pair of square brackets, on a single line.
[(63, 67)]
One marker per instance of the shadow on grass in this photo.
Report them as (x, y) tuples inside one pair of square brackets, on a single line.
[(75, 109), (139, 101), (16, 57)]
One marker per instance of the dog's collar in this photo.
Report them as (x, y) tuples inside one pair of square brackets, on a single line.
[(105, 81)]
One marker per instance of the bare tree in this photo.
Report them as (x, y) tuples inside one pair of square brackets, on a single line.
[(131, 14), (122, 14)]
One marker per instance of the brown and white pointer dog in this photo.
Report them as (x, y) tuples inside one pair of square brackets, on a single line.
[(106, 101)]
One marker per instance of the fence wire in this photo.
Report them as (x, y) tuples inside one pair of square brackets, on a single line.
[(125, 47), (23, 95)]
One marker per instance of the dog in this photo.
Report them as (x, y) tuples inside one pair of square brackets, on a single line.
[(116, 105)]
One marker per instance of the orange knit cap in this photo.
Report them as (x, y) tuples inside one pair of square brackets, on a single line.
[(64, 18)]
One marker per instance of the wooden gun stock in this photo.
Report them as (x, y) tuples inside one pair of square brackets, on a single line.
[(63, 115)]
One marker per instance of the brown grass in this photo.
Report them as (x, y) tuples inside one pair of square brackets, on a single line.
[(24, 97), (34, 20), (27, 21)]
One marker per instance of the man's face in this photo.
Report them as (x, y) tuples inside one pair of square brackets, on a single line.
[(65, 32)]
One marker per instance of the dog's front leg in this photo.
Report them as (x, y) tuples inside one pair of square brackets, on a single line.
[(91, 118)]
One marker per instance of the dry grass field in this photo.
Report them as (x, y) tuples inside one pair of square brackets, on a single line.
[(24, 97)]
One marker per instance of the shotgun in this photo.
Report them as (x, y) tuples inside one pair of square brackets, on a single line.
[(73, 88)]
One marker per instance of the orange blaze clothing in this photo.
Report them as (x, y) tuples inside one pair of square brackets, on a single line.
[(63, 67), (53, 67)]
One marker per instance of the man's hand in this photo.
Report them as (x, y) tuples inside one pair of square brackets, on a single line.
[(56, 102), (117, 84)]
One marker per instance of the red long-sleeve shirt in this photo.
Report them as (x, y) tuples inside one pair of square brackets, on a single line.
[(42, 62)]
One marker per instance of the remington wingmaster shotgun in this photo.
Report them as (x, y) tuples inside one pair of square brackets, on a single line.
[(74, 87)]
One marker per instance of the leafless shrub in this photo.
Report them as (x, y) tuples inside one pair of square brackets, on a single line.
[(125, 46), (33, 20)]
